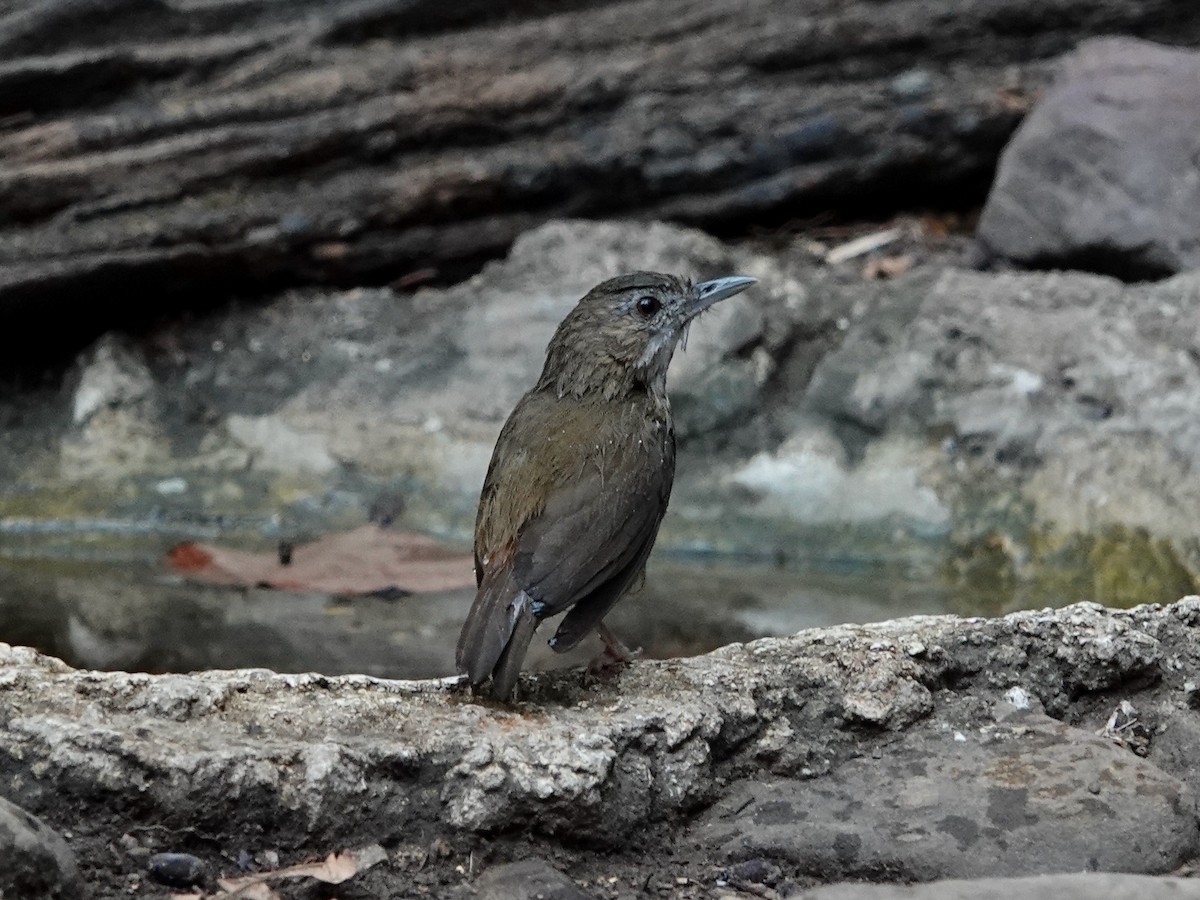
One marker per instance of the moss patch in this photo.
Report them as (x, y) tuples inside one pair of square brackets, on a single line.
[(1117, 566)]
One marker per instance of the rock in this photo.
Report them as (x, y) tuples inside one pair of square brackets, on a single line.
[(276, 447), (1038, 797), (1173, 744), (1030, 437), (365, 383), (114, 374), (114, 414), (34, 860), (1110, 886), (1101, 175), (530, 879), (752, 871), (809, 479), (1066, 403), (310, 762), (181, 870)]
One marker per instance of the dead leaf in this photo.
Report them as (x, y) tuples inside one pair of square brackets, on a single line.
[(362, 561), (887, 267), (334, 869)]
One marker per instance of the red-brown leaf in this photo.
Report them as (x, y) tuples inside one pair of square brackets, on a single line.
[(361, 561)]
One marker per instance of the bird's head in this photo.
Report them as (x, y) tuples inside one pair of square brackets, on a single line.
[(622, 334)]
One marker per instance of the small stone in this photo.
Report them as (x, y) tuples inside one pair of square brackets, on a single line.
[(752, 871), (530, 879), (176, 869), (34, 860), (1192, 694), (1018, 697)]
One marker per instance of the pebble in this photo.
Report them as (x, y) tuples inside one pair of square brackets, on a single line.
[(176, 869)]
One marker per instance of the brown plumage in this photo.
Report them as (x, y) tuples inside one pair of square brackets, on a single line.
[(581, 473)]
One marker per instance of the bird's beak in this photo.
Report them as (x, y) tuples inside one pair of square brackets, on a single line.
[(708, 293)]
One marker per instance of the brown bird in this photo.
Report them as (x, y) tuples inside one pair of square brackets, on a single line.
[(581, 474)]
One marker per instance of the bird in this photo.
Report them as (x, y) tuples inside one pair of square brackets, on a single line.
[(581, 475)]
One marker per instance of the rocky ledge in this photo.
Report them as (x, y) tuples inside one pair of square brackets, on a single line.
[(914, 750)]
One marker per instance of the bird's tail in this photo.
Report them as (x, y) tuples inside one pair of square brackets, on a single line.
[(496, 635)]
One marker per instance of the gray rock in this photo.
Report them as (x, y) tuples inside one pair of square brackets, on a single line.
[(1102, 173), (34, 860), (314, 762), (1032, 798), (530, 879), (1060, 403), (310, 756), (944, 413), (115, 428), (309, 391), (1174, 744), (1109, 886)]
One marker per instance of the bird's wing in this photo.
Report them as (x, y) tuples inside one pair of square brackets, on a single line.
[(563, 523), (594, 527)]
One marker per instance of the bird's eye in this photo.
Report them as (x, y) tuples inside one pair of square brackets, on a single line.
[(648, 306)]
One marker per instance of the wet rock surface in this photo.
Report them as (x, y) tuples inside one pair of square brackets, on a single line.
[(1081, 185), (35, 861), (654, 765)]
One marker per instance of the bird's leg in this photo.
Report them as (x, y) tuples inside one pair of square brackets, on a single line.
[(615, 653)]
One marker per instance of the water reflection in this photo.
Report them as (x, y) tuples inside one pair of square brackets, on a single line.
[(137, 618)]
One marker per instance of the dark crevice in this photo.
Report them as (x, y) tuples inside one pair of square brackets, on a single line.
[(130, 299), (1130, 267), (405, 19)]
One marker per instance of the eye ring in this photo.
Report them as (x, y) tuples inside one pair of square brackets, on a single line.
[(648, 306)]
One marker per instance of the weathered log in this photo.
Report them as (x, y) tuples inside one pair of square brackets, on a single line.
[(159, 150)]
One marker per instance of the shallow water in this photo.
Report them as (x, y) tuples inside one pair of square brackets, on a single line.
[(133, 615)]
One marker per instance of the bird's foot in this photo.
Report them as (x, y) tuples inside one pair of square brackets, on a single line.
[(615, 654)]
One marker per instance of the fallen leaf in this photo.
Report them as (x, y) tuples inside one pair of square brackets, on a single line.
[(413, 278), (887, 267), (334, 869), (363, 561)]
